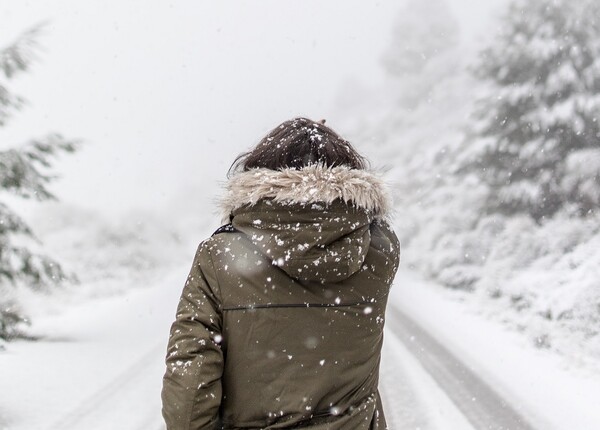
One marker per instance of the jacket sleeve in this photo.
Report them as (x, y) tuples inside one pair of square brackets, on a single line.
[(385, 243), (191, 393)]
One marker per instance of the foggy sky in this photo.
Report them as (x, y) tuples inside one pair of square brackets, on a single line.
[(166, 94)]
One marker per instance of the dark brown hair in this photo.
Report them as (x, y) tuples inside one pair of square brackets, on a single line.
[(297, 143)]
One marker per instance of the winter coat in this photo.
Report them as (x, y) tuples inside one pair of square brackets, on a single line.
[(280, 323)]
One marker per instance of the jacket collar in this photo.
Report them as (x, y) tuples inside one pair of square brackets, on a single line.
[(310, 184)]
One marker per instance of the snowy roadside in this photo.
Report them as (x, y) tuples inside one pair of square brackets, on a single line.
[(553, 391), (101, 368), (103, 365), (411, 397)]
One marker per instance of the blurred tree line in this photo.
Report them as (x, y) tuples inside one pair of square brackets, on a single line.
[(25, 172), (497, 158)]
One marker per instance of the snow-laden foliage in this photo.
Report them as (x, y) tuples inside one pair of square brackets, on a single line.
[(25, 171), (111, 256), (538, 144), (424, 36), (14, 59), (533, 266)]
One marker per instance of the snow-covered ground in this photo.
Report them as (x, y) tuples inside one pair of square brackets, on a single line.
[(100, 366), (551, 390), (525, 317), (101, 363)]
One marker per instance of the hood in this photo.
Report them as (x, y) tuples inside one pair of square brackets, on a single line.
[(313, 223)]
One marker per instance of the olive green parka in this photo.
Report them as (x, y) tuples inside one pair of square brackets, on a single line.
[(280, 323)]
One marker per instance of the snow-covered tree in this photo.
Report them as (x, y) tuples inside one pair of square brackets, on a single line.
[(421, 53), (538, 128), (422, 30), (24, 172)]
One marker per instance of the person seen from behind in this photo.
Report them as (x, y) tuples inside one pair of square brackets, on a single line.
[(280, 323)]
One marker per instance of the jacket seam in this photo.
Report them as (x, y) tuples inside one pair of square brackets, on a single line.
[(193, 402), (299, 305), (199, 375), (220, 295)]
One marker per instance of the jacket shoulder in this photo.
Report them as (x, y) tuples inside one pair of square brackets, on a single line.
[(384, 239), (227, 228), (220, 241)]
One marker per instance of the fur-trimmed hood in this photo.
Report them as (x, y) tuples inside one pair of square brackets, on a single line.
[(313, 223), (311, 184)]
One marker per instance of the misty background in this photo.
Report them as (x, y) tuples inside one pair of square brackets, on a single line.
[(480, 116), (166, 94)]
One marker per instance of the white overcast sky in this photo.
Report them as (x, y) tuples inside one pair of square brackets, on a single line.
[(166, 93)]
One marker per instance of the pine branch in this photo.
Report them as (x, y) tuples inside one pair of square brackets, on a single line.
[(12, 322), (41, 150), (21, 169), (18, 56), (8, 103), (11, 223), (19, 264)]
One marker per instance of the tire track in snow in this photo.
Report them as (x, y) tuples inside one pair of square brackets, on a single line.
[(481, 404), (128, 384), (411, 397)]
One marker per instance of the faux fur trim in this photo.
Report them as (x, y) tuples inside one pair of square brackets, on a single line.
[(311, 184)]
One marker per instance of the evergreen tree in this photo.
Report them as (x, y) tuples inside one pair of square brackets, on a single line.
[(421, 54), (423, 30), (24, 172), (538, 128)]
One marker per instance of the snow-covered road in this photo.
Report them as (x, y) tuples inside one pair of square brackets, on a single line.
[(130, 399), (127, 397), (480, 404), (103, 365)]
